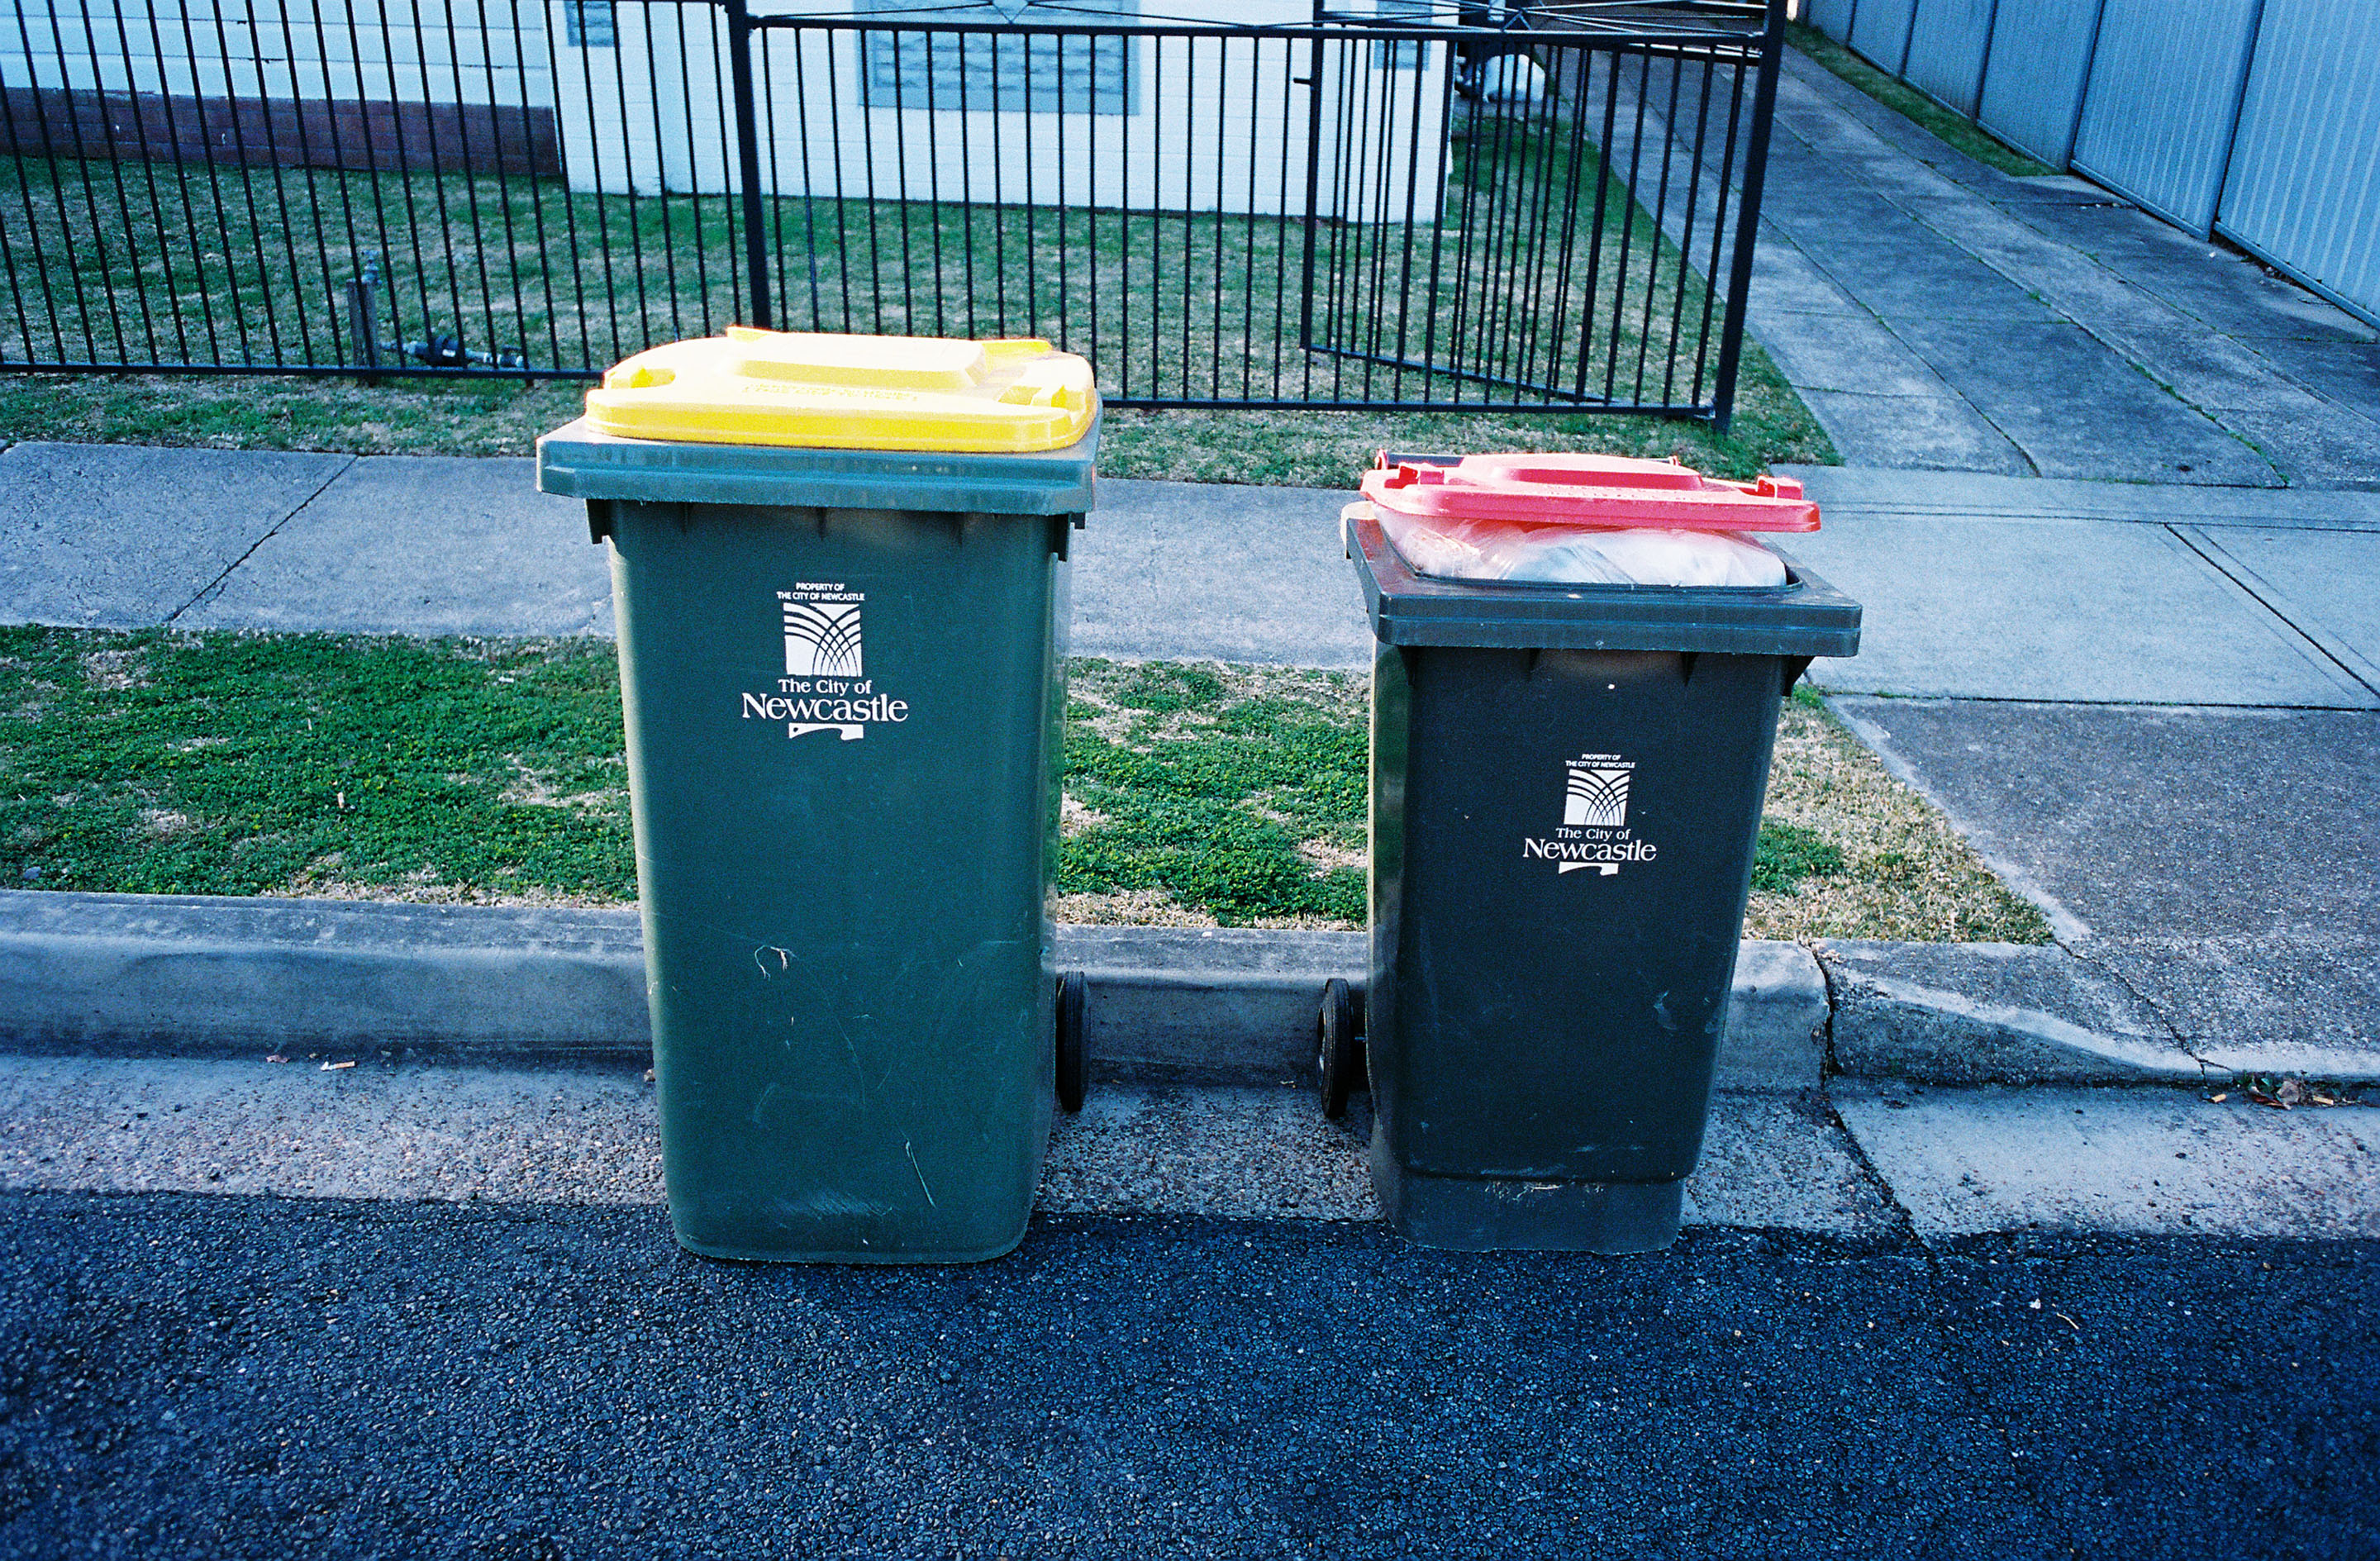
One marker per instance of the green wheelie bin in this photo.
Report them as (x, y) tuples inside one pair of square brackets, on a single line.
[(839, 573), (1573, 704)]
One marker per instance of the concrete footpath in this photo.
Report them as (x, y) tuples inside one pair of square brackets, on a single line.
[(124, 536), (1935, 312), (1976, 586)]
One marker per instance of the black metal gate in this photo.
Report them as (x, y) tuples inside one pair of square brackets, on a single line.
[(1527, 209)]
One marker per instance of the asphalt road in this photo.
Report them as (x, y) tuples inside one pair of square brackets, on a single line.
[(185, 1376)]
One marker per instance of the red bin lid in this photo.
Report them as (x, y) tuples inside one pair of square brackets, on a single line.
[(1599, 490)]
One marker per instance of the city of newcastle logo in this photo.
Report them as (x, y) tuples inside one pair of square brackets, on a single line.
[(822, 639), (824, 688), (1594, 836), (1596, 796)]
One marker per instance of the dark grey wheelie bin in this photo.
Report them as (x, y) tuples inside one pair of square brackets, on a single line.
[(1566, 788)]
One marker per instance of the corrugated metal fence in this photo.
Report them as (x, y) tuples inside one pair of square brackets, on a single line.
[(2256, 119)]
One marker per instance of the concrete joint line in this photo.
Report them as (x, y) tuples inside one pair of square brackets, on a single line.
[(2264, 594), (1914, 359)]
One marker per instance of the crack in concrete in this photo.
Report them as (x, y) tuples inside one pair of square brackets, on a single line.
[(1827, 1066), (2156, 1011), (215, 587)]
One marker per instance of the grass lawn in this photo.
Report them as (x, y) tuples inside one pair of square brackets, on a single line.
[(1515, 284), (489, 770), (1946, 124)]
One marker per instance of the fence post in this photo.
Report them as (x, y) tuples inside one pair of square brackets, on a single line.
[(363, 317), (747, 157), (1313, 84), (1747, 217)]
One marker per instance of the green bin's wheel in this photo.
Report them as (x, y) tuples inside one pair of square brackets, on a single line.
[(1338, 1045), (1070, 1040)]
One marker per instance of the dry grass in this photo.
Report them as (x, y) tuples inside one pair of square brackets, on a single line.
[(1128, 907), (1906, 871), (321, 880)]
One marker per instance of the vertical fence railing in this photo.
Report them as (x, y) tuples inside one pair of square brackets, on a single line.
[(1554, 212)]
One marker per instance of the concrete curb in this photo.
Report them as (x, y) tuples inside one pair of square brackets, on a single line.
[(136, 975)]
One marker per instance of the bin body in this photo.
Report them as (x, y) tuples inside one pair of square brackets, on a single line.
[(1566, 792), (843, 722)]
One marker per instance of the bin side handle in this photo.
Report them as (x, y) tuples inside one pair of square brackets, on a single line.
[(1061, 530), (1794, 667), (599, 520)]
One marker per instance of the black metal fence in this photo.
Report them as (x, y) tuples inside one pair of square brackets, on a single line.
[(1418, 207)]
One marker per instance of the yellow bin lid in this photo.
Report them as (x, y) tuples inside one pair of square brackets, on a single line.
[(850, 393)]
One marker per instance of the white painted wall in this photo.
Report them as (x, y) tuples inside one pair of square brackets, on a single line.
[(624, 109), (1216, 124)]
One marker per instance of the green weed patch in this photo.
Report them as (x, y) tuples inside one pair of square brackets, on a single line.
[(163, 763), (1947, 125), (1237, 791), (1787, 852)]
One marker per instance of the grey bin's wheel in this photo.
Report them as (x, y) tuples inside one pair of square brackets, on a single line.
[(1339, 1046), (1070, 1040)]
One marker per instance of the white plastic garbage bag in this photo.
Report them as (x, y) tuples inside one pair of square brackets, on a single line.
[(1570, 555), (1512, 79)]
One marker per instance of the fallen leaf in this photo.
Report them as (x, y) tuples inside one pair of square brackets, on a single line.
[(334, 1067), (2290, 1092), (277, 1057), (2261, 1099), (648, 1075)]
